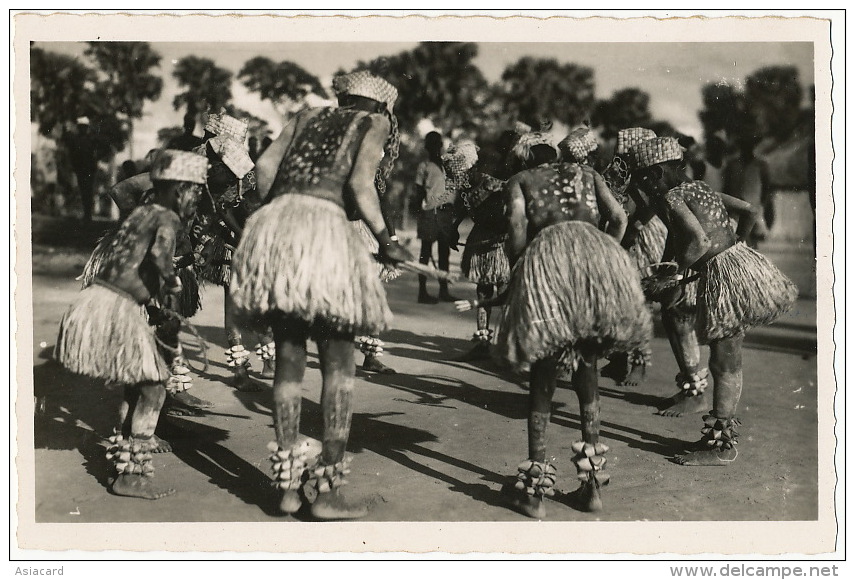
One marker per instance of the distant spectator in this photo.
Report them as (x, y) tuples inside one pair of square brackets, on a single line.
[(187, 141)]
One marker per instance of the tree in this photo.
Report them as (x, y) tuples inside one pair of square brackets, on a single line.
[(60, 85), (773, 96), (128, 80), (436, 81), (539, 90), (207, 87), (284, 84), (628, 107)]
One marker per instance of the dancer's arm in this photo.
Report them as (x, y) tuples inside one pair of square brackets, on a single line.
[(610, 208), (361, 184), (696, 241), (517, 220), (162, 251), (748, 214)]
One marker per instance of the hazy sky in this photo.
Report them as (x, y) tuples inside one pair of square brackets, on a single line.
[(672, 73)]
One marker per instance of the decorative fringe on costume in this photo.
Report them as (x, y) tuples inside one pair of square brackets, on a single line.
[(739, 289), (300, 256), (104, 335), (387, 272), (189, 301), (218, 257), (574, 289), (93, 264), (486, 267), (650, 244)]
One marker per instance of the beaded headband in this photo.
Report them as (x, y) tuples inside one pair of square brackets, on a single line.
[(364, 84), (233, 154), (523, 147), (579, 143), (225, 125), (655, 151), (629, 138), (175, 165)]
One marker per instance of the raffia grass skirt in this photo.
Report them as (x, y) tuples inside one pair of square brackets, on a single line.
[(299, 256), (484, 260), (739, 289), (189, 301), (104, 334), (574, 290)]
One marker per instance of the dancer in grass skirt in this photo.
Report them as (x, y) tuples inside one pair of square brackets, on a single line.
[(484, 261), (645, 241), (738, 287), (304, 270), (217, 229), (105, 334), (128, 195), (573, 297)]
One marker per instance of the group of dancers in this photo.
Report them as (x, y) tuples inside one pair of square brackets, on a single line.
[(302, 243)]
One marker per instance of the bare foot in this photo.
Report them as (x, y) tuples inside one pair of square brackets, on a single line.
[(186, 399), (290, 502), (173, 407), (160, 445), (682, 404), (634, 378), (587, 497), (527, 505), (244, 383), (708, 457), (333, 506), (134, 485), (373, 365), (268, 370)]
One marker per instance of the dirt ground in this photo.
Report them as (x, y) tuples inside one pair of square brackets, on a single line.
[(436, 441)]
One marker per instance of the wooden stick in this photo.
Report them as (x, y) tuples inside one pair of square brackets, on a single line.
[(425, 270)]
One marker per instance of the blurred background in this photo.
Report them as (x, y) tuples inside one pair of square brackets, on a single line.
[(744, 111)]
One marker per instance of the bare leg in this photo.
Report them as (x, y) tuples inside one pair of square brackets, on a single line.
[(542, 383), (337, 368), (481, 350), (179, 402), (684, 344), (126, 411), (717, 446), (287, 397), (443, 252), (585, 384), (146, 412), (424, 258), (242, 380)]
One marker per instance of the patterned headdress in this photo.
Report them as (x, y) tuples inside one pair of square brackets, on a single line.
[(175, 165), (522, 149), (578, 144), (629, 138), (364, 84), (655, 151), (461, 157), (233, 154), (225, 125)]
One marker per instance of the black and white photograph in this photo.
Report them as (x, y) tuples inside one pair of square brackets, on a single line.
[(459, 275)]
